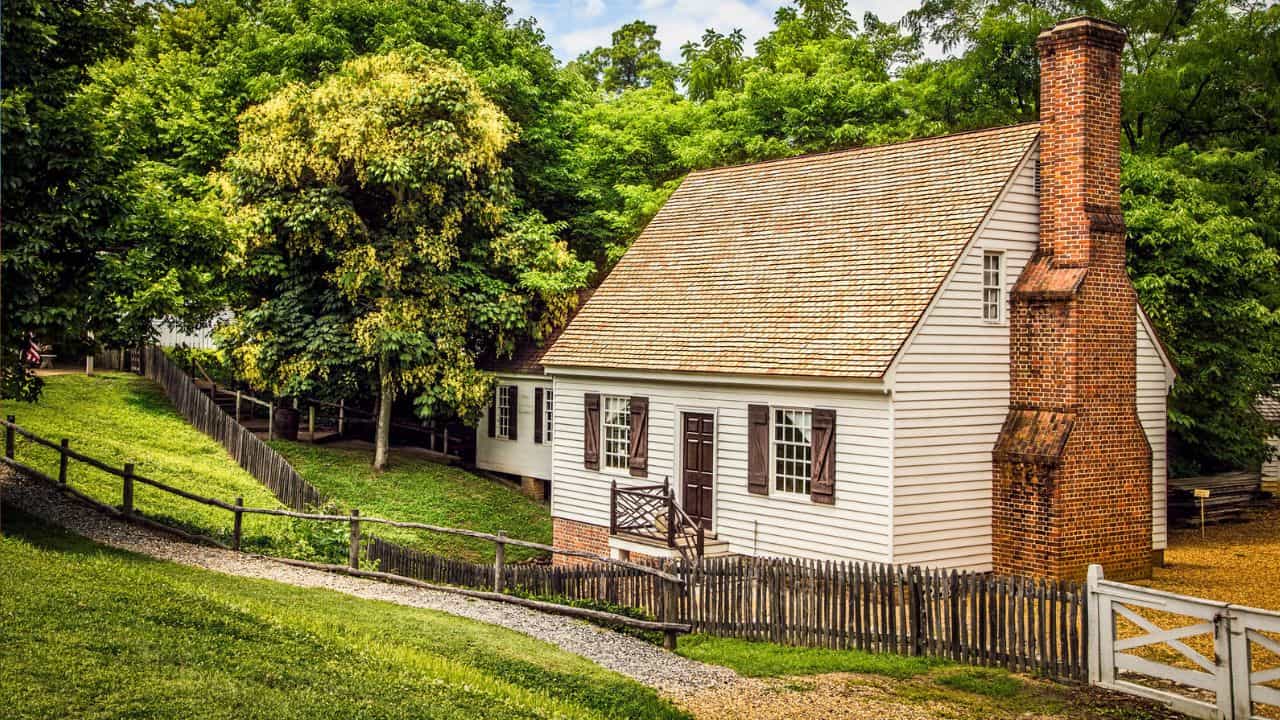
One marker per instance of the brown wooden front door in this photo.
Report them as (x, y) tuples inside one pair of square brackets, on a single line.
[(699, 466)]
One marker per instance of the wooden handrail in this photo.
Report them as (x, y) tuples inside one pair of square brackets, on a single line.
[(13, 427)]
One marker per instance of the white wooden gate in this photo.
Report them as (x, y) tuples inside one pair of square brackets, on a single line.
[(1229, 682)]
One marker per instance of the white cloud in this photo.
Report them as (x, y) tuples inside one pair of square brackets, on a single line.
[(588, 8)]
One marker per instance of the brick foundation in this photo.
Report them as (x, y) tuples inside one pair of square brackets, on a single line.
[(574, 535), (1072, 467)]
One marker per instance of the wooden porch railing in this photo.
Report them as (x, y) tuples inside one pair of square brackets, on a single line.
[(651, 511)]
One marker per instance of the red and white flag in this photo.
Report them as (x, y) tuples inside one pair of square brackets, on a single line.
[(33, 350)]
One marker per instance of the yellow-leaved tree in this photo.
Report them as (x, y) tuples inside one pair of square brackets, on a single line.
[(379, 247)]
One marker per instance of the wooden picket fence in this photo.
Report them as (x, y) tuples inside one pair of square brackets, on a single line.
[(254, 455), (1025, 625)]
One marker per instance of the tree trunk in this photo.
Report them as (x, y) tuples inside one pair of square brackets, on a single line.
[(386, 398)]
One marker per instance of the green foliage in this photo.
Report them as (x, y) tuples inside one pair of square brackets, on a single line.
[(152, 639), (379, 194), (54, 199), (418, 490), (759, 659), (198, 362), (1208, 280), (632, 61)]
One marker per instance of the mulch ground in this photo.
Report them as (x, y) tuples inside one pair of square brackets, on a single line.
[(1235, 562)]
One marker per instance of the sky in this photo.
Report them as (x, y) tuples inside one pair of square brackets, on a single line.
[(576, 26)]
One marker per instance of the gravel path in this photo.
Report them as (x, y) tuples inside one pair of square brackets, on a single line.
[(675, 676)]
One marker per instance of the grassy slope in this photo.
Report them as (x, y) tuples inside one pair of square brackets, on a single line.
[(91, 632), (419, 490), (119, 418)]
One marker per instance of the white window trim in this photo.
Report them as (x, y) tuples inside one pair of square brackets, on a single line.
[(773, 454), (604, 436), (1002, 303), (500, 404), (548, 415)]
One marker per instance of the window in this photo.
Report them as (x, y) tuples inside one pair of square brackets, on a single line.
[(617, 432), (548, 400), (503, 408), (792, 450), (993, 286)]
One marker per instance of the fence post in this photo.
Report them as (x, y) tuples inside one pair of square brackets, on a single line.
[(237, 406), (354, 557), (668, 608), (128, 489), (235, 526), (342, 415), (613, 507), (499, 562), (8, 437), (311, 421), (1093, 624), (62, 461), (271, 420), (917, 610)]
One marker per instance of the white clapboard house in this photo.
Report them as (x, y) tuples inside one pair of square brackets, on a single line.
[(810, 357)]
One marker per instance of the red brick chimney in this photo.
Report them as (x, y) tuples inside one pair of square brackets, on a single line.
[(1072, 466)]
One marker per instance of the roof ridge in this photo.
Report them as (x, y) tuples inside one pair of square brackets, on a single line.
[(860, 148)]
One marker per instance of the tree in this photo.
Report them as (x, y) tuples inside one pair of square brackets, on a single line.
[(633, 60), (54, 200), (715, 65), (377, 200), (1204, 274)]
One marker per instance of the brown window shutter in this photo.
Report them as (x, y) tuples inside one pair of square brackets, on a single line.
[(591, 431), (758, 449), (537, 415), (493, 412), (513, 395), (822, 485), (638, 447)]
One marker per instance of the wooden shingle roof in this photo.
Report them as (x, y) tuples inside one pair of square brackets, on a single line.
[(1268, 406), (816, 265)]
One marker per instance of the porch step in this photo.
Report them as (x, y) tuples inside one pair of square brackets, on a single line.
[(711, 547)]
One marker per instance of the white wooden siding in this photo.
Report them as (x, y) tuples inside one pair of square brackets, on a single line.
[(856, 527), (521, 456), (1153, 393), (951, 395), (1271, 468)]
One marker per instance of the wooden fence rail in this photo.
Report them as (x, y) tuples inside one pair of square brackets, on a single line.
[(463, 574)]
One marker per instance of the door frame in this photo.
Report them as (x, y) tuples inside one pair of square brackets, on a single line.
[(681, 410)]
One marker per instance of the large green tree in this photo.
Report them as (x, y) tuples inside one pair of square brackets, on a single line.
[(54, 203), (380, 192)]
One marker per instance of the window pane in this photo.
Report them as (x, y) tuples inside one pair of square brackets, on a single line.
[(617, 432), (792, 464)]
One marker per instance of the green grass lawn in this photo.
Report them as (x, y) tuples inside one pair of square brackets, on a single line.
[(418, 490), (758, 659), (939, 687), (91, 632), (119, 418)]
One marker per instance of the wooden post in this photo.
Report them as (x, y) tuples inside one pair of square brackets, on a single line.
[(311, 421), (127, 503), (236, 524), (271, 420), (499, 562), (446, 440), (62, 461), (342, 416), (668, 608), (8, 438), (88, 364), (237, 406), (613, 507), (355, 539)]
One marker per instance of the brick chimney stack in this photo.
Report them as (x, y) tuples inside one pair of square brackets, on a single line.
[(1072, 466)]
